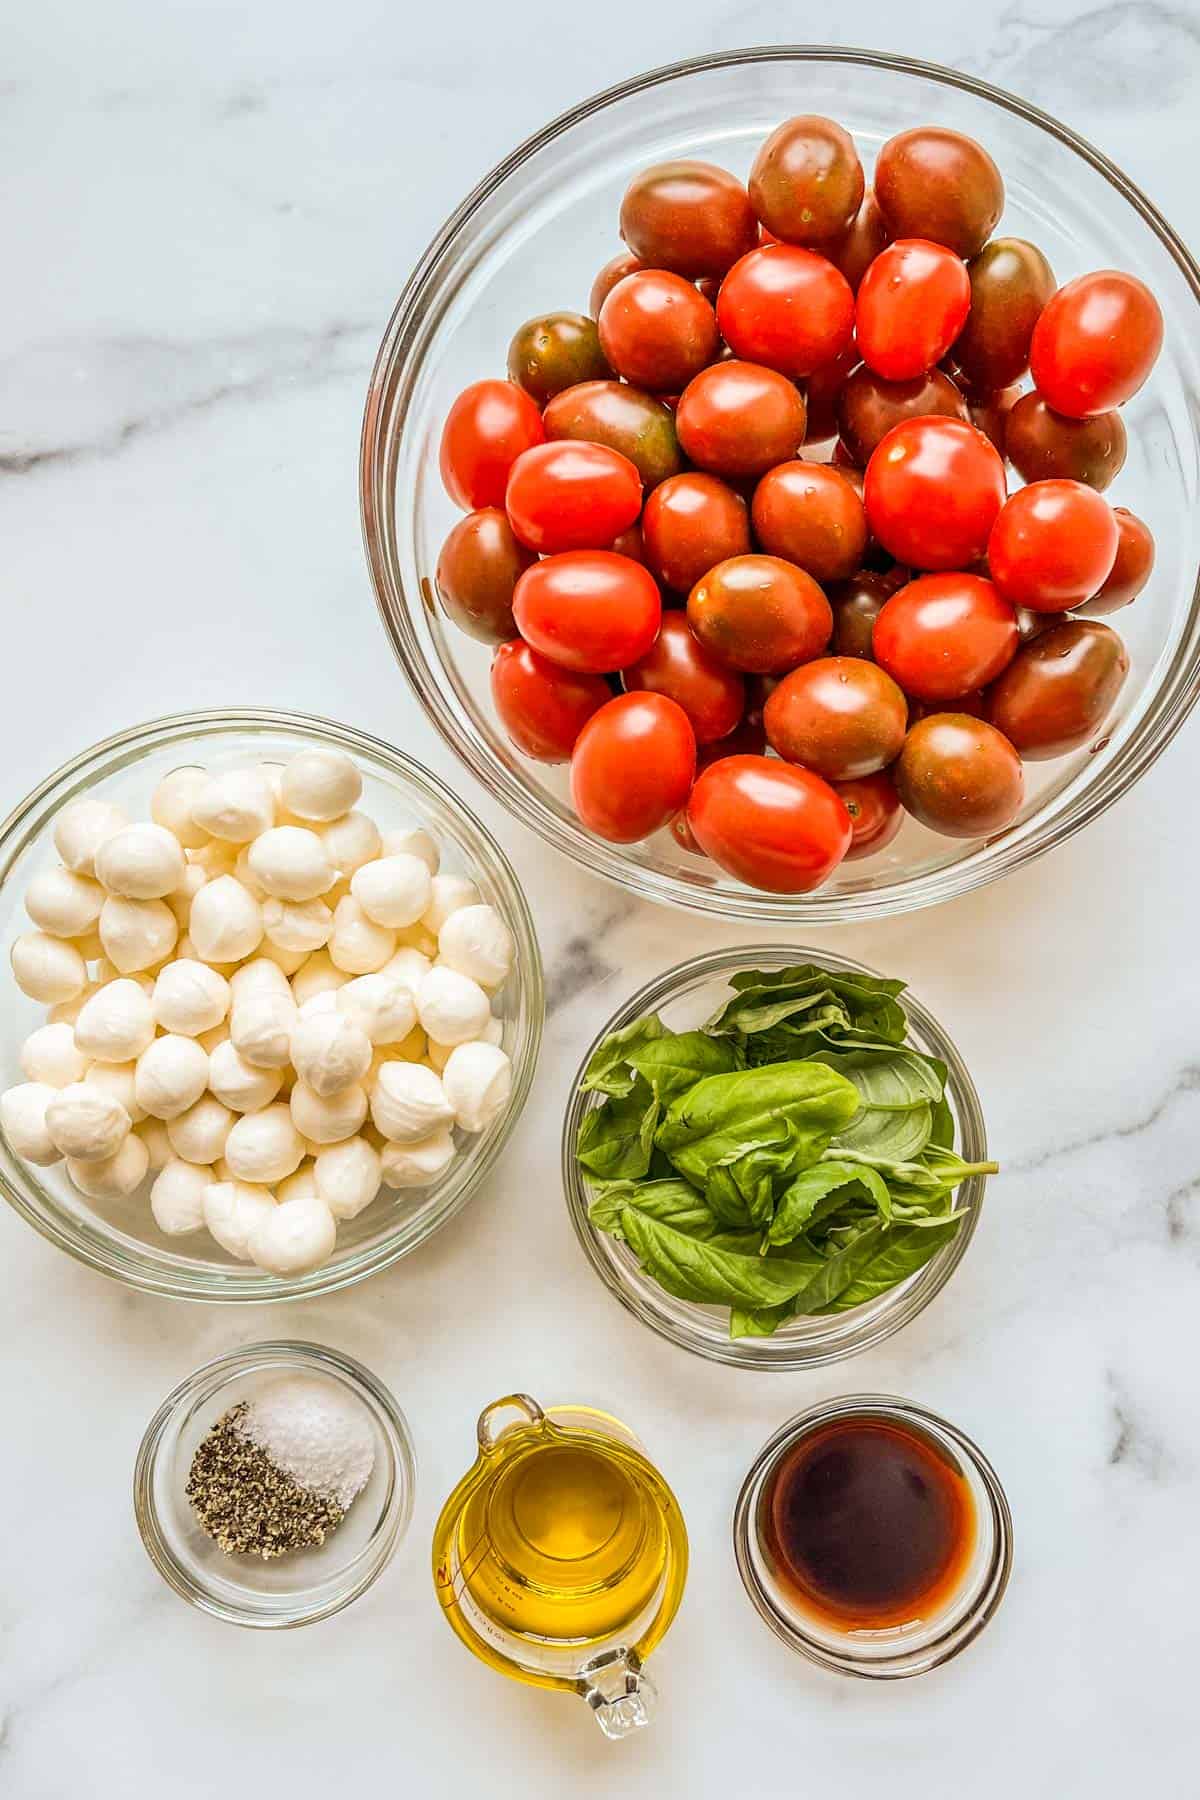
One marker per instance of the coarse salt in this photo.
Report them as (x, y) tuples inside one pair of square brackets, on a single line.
[(314, 1432)]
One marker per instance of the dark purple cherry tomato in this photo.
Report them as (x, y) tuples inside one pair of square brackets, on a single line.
[(690, 217), (939, 184), (477, 571), (1058, 690)]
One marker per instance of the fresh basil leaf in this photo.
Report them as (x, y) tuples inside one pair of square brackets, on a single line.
[(676, 1061), (799, 1199), (608, 1071), (616, 1140), (674, 1202), (726, 1200), (900, 1253), (942, 1134), (764, 998), (797, 1107), (758, 1321), (718, 1277), (883, 1135)]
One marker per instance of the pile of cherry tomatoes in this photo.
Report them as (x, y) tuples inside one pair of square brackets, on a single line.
[(774, 655)]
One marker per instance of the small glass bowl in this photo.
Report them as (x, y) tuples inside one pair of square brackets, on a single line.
[(309, 1584), (685, 997), (900, 1650), (120, 1238)]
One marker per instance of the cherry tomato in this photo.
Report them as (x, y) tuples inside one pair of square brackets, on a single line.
[(875, 812), (739, 419), (933, 490), (769, 824), (711, 694), (657, 330), (541, 706), (839, 715), (857, 604), (822, 391), (959, 776), (786, 308), (1042, 444), (569, 496), (616, 269), (912, 303), (1058, 691), (477, 572), (624, 419), (691, 523), (759, 614), (944, 635), (1131, 570), (868, 407), (1095, 343), (855, 251), (689, 217), (939, 184), (633, 767), (588, 610), (1052, 546), (809, 514), (1011, 281), (553, 352), (806, 184), (486, 429)]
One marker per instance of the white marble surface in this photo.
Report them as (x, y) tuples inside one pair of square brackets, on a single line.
[(208, 211)]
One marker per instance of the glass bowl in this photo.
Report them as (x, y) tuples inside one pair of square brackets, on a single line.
[(120, 1238), (532, 236), (920, 1644), (685, 997), (308, 1584)]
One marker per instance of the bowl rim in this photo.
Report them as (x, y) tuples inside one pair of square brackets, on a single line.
[(145, 1269), (1166, 709), (672, 1319)]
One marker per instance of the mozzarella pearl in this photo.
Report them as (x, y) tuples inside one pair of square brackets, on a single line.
[(177, 1197), (141, 862), (237, 1083), (172, 801), (300, 1186), (297, 925), (115, 1024), (63, 903), (290, 863), (476, 942), (351, 841), (451, 1007), (358, 946), (226, 921), (23, 1118), (478, 1083), (259, 976), (261, 1026), (199, 1134), (329, 1051), (51, 1055), (86, 1123), (114, 1177), (48, 968), (294, 1237), (236, 806), (172, 1073), (417, 1165), (416, 843), (318, 976), (137, 934), (408, 1102), (159, 1150), (119, 1081), (214, 858), (264, 1147), (190, 998), (81, 828), (328, 1118), (348, 1177), (232, 1210), (286, 961), (449, 893), (393, 890), (381, 1005), (320, 784)]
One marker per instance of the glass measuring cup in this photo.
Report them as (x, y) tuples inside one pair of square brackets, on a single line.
[(560, 1557)]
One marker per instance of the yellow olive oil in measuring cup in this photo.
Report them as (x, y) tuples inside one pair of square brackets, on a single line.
[(560, 1558)]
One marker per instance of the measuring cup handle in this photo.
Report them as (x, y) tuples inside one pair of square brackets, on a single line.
[(620, 1693), (530, 1413)]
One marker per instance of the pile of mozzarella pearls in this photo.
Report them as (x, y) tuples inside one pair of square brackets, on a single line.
[(260, 1003)]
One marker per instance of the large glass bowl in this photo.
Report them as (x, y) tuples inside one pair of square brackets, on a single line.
[(120, 1238), (685, 998), (530, 239)]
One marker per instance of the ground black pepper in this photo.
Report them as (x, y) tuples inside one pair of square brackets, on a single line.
[(248, 1505)]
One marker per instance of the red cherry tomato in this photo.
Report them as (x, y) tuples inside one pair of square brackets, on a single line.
[(1053, 545), (876, 814), (633, 767), (768, 823), (933, 489), (691, 523), (658, 330), (541, 706), (1095, 343), (1131, 570), (486, 429), (571, 496), (809, 514), (912, 303), (711, 695), (739, 419), (841, 716), (588, 609), (786, 308), (945, 635)]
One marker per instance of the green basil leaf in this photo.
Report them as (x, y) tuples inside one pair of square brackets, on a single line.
[(883, 1135), (900, 1253), (764, 998), (800, 1198), (608, 1071), (942, 1134), (673, 1202), (718, 1277), (616, 1140), (793, 1107), (676, 1061)]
